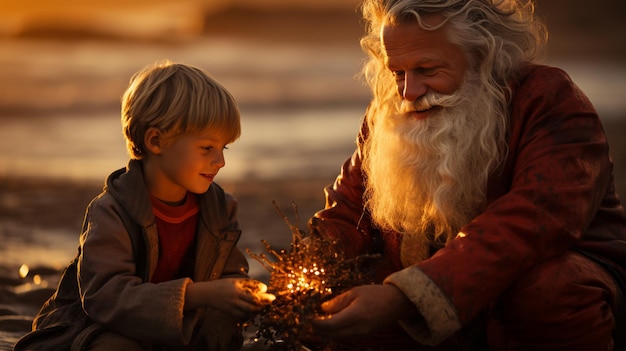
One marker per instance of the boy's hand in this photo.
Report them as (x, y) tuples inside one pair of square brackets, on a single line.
[(259, 291), (237, 296)]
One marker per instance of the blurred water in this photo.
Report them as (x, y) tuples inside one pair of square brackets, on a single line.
[(274, 143), (51, 75), (59, 103), (36, 247)]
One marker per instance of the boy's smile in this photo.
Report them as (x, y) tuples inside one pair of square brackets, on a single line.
[(189, 163)]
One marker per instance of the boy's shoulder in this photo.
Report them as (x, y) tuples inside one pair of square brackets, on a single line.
[(105, 202)]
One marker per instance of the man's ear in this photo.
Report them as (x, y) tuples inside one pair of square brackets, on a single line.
[(152, 140)]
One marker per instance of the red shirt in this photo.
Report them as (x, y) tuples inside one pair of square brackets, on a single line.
[(176, 226)]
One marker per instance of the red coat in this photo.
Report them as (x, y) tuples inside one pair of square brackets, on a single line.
[(555, 192)]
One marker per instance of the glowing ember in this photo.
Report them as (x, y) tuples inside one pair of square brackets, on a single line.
[(311, 272), (23, 271)]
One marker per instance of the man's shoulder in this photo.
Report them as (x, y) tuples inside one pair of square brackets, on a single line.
[(536, 81), (544, 75), (535, 73)]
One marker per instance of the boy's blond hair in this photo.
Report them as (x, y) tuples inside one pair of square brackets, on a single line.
[(178, 99)]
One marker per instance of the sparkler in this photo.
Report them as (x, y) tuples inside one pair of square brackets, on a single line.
[(312, 271)]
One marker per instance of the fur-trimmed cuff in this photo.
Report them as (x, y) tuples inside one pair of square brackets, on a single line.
[(440, 319)]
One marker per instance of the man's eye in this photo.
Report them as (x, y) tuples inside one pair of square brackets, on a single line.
[(427, 70), (398, 74)]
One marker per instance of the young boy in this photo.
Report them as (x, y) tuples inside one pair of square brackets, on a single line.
[(157, 266)]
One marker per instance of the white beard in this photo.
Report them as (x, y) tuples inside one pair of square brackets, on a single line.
[(427, 178)]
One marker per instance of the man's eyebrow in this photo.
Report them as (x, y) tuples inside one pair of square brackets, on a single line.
[(421, 61)]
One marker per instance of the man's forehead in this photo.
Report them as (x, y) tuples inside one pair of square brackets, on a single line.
[(425, 27), (410, 35)]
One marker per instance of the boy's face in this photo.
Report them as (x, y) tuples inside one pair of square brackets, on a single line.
[(189, 163)]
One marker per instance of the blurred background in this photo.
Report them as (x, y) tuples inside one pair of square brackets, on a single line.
[(291, 64)]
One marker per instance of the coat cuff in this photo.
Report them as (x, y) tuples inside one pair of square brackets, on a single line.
[(439, 318)]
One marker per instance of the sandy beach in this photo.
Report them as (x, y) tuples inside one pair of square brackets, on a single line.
[(312, 70)]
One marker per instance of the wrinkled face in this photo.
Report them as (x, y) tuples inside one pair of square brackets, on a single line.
[(422, 62), (190, 163)]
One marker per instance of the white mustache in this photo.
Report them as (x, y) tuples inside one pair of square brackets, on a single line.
[(426, 102)]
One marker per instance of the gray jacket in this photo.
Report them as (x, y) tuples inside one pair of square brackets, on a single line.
[(107, 286)]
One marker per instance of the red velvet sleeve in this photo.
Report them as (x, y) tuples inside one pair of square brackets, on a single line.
[(556, 175)]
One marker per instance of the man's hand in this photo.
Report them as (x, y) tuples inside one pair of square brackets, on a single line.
[(363, 310)]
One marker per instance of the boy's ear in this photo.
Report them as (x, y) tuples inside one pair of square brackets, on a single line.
[(152, 140)]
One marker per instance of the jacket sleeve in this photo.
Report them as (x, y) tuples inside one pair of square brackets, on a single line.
[(555, 177), (114, 296)]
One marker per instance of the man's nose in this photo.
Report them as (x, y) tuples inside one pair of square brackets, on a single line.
[(414, 86)]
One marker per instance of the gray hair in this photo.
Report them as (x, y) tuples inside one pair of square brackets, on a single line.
[(497, 36)]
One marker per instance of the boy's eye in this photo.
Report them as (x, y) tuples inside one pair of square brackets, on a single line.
[(207, 148)]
